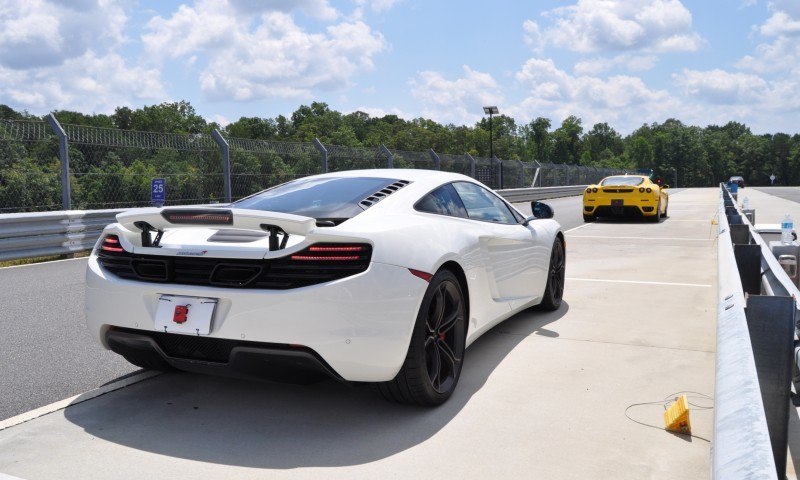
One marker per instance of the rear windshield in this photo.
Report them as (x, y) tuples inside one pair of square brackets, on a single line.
[(616, 181), (320, 198)]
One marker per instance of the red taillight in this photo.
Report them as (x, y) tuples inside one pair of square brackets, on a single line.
[(332, 253), (341, 258), (335, 249), (111, 244), (423, 275)]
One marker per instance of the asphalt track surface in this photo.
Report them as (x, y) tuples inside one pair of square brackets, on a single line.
[(787, 193), (46, 352)]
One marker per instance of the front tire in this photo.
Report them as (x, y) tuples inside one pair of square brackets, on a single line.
[(589, 218), (554, 291), (432, 367)]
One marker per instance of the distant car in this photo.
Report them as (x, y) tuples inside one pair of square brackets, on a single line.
[(739, 181), (380, 276), (625, 195)]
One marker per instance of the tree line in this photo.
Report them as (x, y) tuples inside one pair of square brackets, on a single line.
[(695, 156)]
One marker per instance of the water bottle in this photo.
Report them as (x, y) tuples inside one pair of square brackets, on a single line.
[(786, 230), (746, 204)]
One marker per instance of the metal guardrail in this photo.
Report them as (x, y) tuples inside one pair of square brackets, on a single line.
[(515, 195), (756, 322), (741, 447), (40, 234)]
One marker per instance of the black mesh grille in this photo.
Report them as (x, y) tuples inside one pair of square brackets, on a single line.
[(316, 264)]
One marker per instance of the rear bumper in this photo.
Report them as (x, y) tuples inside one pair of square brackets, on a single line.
[(248, 360), (626, 210), (360, 326)]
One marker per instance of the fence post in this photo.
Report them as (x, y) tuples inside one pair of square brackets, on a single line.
[(471, 165), (566, 174), (536, 174), (63, 153), (521, 173), (226, 164), (500, 163), (436, 161), (389, 157), (324, 152)]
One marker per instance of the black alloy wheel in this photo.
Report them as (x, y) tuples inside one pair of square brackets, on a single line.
[(433, 364), (442, 352), (554, 291)]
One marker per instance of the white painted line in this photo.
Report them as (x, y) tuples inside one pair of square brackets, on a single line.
[(580, 226), (644, 238), (45, 263), (74, 400), (4, 476), (671, 220), (641, 282)]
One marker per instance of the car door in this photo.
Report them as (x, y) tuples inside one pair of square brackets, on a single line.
[(514, 257)]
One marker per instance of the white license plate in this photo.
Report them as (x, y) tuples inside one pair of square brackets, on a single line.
[(187, 315)]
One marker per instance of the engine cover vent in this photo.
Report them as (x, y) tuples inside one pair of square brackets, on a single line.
[(382, 193)]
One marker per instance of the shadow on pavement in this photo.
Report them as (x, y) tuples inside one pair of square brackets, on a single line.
[(269, 425)]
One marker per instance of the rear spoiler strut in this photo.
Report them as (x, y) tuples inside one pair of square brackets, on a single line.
[(157, 220)]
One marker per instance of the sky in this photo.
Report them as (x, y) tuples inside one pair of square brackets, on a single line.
[(627, 63)]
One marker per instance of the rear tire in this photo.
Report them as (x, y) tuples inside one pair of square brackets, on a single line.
[(554, 291), (432, 367), (589, 218), (657, 217)]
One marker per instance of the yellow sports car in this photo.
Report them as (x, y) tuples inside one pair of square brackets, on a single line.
[(625, 195)]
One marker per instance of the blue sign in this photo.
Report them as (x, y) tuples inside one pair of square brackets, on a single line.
[(158, 191)]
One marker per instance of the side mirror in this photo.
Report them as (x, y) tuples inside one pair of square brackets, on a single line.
[(541, 210)]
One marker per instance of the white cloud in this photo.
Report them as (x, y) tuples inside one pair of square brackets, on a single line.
[(623, 101), (40, 33), (782, 54), (269, 55), (381, 112), (62, 54), (616, 25), (457, 101), (722, 87), (533, 36), (633, 63), (377, 5), (750, 90), (780, 23), (88, 83), (320, 9)]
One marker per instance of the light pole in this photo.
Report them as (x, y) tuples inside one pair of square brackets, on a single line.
[(491, 111)]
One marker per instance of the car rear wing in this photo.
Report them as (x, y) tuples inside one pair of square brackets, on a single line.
[(160, 219)]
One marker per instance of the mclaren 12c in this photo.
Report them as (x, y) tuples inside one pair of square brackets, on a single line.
[(379, 276)]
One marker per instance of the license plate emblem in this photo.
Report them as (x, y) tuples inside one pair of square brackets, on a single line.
[(187, 315), (181, 311)]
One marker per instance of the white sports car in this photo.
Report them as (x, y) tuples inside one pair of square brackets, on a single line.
[(381, 276)]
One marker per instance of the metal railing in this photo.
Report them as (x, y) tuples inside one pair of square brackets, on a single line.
[(756, 321), (47, 166), (40, 234)]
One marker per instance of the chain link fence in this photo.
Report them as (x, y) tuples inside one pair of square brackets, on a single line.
[(110, 168), (30, 168), (259, 164), (113, 168)]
